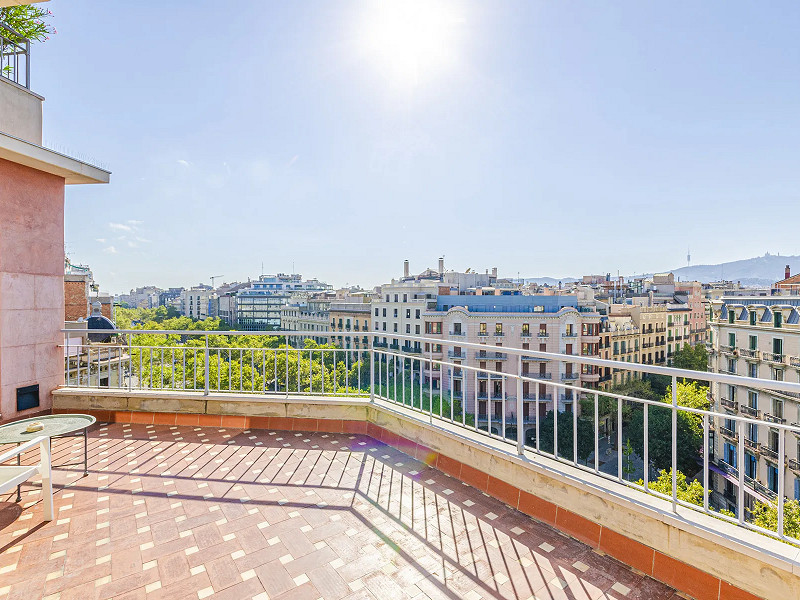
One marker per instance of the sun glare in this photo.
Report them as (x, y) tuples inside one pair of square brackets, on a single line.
[(410, 41)]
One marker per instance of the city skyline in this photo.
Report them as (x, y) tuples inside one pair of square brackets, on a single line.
[(682, 116)]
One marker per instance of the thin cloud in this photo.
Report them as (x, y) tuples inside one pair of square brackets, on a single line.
[(120, 227), (185, 163), (110, 250), (101, 240), (134, 222)]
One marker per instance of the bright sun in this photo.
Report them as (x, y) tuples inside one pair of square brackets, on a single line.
[(410, 40)]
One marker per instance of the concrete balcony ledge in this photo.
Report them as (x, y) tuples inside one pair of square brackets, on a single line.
[(698, 554)]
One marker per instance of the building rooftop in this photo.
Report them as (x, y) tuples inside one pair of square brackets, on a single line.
[(191, 512)]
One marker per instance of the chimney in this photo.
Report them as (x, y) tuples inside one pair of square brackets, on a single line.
[(441, 265), (788, 272), (494, 272), (406, 272)]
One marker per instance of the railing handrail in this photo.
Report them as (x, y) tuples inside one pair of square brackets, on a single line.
[(598, 362)]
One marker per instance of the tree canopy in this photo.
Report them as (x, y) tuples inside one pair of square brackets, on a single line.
[(689, 429)]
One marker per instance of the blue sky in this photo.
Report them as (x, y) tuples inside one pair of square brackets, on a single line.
[(545, 138)]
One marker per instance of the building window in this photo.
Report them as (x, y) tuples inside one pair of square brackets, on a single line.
[(753, 370), (772, 477), (750, 465), (732, 340), (384, 312), (778, 316), (777, 346), (395, 313), (498, 329), (482, 329), (730, 454), (731, 316), (376, 311), (433, 327), (753, 317), (395, 297), (405, 297), (526, 329), (416, 314)]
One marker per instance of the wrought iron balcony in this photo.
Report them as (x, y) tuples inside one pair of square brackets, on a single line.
[(729, 404), (729, 433), (769, 452), (773, 357), (774, 419), (752, 445), (748, 353), (750, 411)]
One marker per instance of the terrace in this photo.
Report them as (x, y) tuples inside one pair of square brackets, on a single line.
[(189, 385)]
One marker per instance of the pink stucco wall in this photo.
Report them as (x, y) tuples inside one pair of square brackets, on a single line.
[(31, 284)]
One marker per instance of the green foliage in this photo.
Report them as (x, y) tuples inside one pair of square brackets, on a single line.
[(565, 436), (627, 463), (689, 429), (29, 21), (765, 515), (694, 358), (688, 492), (607, 406)]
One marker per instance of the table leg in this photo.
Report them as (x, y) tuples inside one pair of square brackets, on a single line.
[(19, 485), (85, 452)]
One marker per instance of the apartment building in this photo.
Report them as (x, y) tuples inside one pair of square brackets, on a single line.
[(557, 324), (258, 307), (789, 284), (399, 305), (142, 297), (352, 321), (620, 340), (305, 317), (197, 303), (646, 334), (755, 337)]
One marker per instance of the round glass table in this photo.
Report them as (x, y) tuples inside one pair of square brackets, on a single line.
[(55, 426)]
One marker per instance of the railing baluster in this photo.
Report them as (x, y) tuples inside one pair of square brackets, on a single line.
[(556, 412), (619, 440), (781, 468), (646, 447), (674, 443), (597, 432), (705, 460), (575, 431)]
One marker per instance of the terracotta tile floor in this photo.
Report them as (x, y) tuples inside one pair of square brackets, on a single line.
[(190, 512)]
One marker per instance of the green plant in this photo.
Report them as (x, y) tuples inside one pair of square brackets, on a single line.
[(29, 21)]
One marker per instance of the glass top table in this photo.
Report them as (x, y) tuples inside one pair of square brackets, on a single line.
[(54, 426)]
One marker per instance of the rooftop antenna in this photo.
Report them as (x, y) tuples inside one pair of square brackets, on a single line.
[(688, 256)]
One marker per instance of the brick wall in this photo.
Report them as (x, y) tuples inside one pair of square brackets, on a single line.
[(76, 305)]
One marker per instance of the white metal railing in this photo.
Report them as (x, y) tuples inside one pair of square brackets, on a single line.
[(488, 401), (15, 56)]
